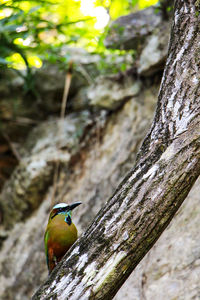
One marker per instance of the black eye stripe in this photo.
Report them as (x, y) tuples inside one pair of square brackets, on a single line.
[(59, 210), (54, 215)]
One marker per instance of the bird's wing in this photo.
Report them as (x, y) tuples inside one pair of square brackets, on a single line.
[(46, 236)]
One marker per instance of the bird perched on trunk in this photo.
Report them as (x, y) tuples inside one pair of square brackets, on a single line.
[(60, 233)]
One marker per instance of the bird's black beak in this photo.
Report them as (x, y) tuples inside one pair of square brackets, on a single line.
[(72, 206)]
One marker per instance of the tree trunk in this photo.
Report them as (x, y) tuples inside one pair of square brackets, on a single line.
[(143, 205)]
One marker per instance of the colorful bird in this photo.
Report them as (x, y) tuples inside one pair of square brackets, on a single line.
[(60, 233)]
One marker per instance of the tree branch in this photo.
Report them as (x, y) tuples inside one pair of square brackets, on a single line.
[(143, 205)]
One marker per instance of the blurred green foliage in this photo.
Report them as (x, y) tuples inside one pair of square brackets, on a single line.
[(34, 31)]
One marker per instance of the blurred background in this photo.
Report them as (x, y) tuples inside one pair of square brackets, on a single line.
[(37, 34), (79, 82)]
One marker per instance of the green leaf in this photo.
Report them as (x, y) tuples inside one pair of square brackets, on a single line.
[(33, 9)]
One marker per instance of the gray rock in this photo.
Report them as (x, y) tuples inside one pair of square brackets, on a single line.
[(147, 33), (50, 78), (130, 31), (23, 193), (91, 175), (154, 54), (110, 93), (50, 81)]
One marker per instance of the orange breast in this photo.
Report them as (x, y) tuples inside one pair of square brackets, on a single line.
[(61, 237)]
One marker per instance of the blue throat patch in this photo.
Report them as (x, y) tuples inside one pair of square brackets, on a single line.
[(68, 219)]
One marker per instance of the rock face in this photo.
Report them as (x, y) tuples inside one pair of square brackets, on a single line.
[(130, 32), (153, 55), (110, 94), (147, 33), (89, 172), (32, 177), (93, 149), (19, 112)]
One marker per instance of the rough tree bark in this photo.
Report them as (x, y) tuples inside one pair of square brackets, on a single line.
[(143, 205)]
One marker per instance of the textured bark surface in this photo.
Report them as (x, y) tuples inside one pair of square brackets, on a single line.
[(143, 205), (171, 269)]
